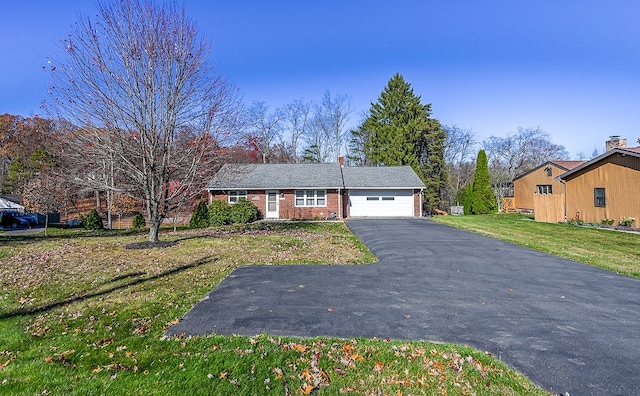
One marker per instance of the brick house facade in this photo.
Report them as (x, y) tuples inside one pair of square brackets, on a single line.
[(320, 191)]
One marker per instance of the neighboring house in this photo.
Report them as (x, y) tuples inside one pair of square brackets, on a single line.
[(607, 186), (10, 206), (538, 191), (310, 190)]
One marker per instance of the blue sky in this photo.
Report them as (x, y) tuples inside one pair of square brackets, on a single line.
[(569, 67)]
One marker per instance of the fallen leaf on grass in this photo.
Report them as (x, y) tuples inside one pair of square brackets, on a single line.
[(278, 372), (5, 364), (307, 389), (61, 357), (103, 343), (378, 366), (306, 374), (299, 348)]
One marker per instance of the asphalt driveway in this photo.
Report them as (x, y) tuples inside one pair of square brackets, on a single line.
[(567, 326)]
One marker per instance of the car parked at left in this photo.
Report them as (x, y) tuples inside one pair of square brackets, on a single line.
[(30, 218), (12, 220)]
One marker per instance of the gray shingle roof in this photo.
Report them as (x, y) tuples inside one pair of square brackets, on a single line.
[(381, 177), (276, 176), (291, 176)]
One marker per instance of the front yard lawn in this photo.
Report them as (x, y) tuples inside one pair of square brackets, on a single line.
[(84, 313)]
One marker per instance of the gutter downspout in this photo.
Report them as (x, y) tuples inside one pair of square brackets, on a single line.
[(341, 208), (421, 203)]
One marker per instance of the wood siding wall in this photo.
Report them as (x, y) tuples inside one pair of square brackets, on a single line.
[(622, 192), (549, 207), (525, 187)]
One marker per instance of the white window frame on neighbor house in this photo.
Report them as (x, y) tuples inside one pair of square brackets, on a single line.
[(234, 196), (544, 189), (310, 198)]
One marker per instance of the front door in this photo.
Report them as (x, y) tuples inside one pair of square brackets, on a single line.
[(273, 205)]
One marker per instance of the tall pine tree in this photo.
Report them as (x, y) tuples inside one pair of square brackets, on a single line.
[(399, 131), (482, 199)]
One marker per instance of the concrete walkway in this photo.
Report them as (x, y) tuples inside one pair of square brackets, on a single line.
[(567, 326)]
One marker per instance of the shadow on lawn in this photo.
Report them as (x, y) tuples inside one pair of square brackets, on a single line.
[(132, 282)]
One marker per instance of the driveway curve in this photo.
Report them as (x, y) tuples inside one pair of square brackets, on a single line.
[(567, 326)]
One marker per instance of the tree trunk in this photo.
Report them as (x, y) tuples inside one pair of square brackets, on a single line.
[(155, 220), (109, 201), (154, 229)]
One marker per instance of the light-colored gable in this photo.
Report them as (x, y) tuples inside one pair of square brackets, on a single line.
[(526, 185)]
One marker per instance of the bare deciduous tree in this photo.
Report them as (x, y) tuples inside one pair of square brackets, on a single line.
[(459, 156), (137, 83), (297, 119), (46, 192), (122, 204), (518, 153), (327, 133), (263, 128)]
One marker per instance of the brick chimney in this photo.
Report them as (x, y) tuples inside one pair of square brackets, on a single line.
[(615, 141)]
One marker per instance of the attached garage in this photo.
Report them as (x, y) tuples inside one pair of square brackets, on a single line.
[(382, 191), (381, 203)]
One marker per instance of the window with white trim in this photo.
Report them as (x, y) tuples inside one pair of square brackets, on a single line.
[(544, 189), (234, 196), (311, 198)]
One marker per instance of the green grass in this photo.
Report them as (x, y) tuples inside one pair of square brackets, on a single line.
[(612, 250), (80, 314)]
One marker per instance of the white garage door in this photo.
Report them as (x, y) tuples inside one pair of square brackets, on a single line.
[(382, 203)]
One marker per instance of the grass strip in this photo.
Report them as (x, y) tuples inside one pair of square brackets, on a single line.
[(608, 249)]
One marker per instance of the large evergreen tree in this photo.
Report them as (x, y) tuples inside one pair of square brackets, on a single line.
[(400, 131), (482, 199)]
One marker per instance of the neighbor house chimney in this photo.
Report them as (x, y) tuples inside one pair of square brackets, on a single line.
[(341, 160), (615, 141)]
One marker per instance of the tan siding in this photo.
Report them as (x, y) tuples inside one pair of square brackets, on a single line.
[(549, 207), (622, 194), (525, 187)]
